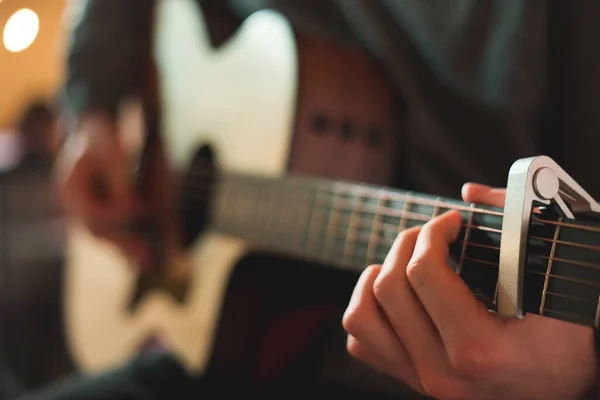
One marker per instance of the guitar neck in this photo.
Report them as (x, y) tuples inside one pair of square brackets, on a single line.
[(351, 226)]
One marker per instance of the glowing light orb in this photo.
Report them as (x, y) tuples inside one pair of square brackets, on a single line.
[(21, 30)]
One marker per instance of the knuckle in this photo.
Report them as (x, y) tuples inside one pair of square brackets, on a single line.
[(414, 271)]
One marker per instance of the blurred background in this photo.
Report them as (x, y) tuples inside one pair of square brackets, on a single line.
[(31, 71)]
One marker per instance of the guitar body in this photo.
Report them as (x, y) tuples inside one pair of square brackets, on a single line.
[(241, 102), (247, 100)]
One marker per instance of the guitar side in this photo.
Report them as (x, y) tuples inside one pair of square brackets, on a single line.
[(240, 100)]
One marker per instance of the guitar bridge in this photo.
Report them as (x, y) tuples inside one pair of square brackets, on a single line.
[(532, 182)]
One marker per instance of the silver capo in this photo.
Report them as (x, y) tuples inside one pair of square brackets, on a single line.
[(532, 182)]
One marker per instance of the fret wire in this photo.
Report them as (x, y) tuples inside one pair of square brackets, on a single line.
[(463, 251), (331, 225), (549, 268), (405, 210), (303, 214), (354, 224), (313, 217), (496, 292), (597, 317), (373, 240), (436, 208)]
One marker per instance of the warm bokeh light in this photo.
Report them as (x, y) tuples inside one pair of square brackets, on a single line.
[(20, 30)]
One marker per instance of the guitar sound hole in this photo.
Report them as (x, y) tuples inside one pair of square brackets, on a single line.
[(196, 193), (194, 205)]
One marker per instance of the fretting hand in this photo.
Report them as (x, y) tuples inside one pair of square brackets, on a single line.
[(413, 318)]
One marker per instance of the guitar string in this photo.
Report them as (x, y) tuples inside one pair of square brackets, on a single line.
[(362, 239), (582, 264), (424, 218), (381, 256), (415, 216), (388, 228), (582, 318), (364, 191), (552, 293), (441, 204)]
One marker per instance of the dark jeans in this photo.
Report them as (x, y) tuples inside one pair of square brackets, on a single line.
[(280, 336)]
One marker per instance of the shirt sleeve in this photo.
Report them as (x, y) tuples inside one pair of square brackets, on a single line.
[(105, 52)]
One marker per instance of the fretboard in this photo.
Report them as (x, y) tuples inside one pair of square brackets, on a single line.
[(351, 226)]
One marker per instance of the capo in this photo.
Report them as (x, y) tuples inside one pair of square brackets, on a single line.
[(532, 182)]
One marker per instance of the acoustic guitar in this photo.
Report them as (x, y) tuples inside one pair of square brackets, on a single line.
[(229, 116)]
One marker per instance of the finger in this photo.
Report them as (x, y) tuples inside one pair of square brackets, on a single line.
[(84, 201), (365, 322), (449, 302), (482, 194), (134, 246), (403, 310), (372, 357)]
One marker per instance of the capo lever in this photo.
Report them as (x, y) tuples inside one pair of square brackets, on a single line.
[(532, 182)]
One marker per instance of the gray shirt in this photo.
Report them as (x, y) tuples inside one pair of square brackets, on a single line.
[(483, 82)]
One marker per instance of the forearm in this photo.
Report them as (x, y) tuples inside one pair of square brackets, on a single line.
[(106, 55)]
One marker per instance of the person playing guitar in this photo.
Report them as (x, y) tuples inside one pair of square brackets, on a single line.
[(476, 79)]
